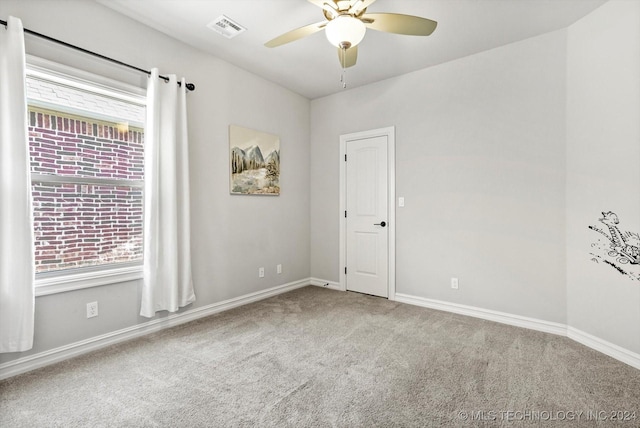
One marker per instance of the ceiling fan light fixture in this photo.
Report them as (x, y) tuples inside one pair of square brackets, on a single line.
[(345, 31)]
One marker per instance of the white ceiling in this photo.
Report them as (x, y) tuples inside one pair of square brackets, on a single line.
[(310, 66)]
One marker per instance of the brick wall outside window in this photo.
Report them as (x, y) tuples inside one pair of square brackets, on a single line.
[(79, 225)]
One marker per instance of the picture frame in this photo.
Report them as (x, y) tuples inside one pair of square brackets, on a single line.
[(254, 162)]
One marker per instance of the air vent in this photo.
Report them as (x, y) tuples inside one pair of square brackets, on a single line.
[(226, 27)]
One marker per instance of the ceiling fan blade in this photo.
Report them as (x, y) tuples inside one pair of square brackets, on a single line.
[(296, 34), (399, 24), (349, 57)]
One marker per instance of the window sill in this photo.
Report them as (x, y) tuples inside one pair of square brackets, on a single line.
[(78, 281)]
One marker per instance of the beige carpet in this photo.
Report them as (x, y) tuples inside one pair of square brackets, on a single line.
[(320, 358)]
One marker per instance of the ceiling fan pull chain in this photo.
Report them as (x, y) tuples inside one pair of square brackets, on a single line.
[(343, 76)]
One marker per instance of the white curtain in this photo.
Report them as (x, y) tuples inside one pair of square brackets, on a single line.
[(16, 219), (167, 283)]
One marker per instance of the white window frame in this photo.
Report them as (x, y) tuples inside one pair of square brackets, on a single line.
[(48, 283)]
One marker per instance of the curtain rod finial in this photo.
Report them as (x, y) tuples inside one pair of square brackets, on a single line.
[(190, 86)]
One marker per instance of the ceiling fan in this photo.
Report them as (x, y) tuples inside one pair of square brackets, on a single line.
[(346, 22)]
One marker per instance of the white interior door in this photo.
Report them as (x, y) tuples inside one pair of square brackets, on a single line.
[(367, 216)]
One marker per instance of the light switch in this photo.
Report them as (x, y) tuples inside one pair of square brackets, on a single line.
[(401, 202)]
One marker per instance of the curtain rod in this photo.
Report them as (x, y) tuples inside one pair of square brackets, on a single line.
[(189, 86)]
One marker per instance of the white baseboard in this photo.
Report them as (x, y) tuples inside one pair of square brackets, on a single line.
[(326, 284), (486, 314), (31, 362), (607, 348), (41, 359)]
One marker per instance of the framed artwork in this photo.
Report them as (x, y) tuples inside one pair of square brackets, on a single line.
[(254, 162)]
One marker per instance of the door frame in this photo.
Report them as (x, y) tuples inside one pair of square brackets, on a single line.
[(388, 132)]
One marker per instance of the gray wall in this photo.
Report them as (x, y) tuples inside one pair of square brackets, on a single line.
[(603, 169), (480, 162), (232, 235)]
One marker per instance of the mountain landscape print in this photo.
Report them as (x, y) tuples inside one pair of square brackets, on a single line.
[(255, 162)]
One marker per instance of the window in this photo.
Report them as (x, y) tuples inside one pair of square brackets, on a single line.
[(87, 168)]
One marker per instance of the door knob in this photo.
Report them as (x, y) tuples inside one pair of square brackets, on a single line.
[(382, 223)]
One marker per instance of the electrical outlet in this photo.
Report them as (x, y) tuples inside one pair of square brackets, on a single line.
[(261, 272), (92, 309), (279, 268), (454, 283)]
